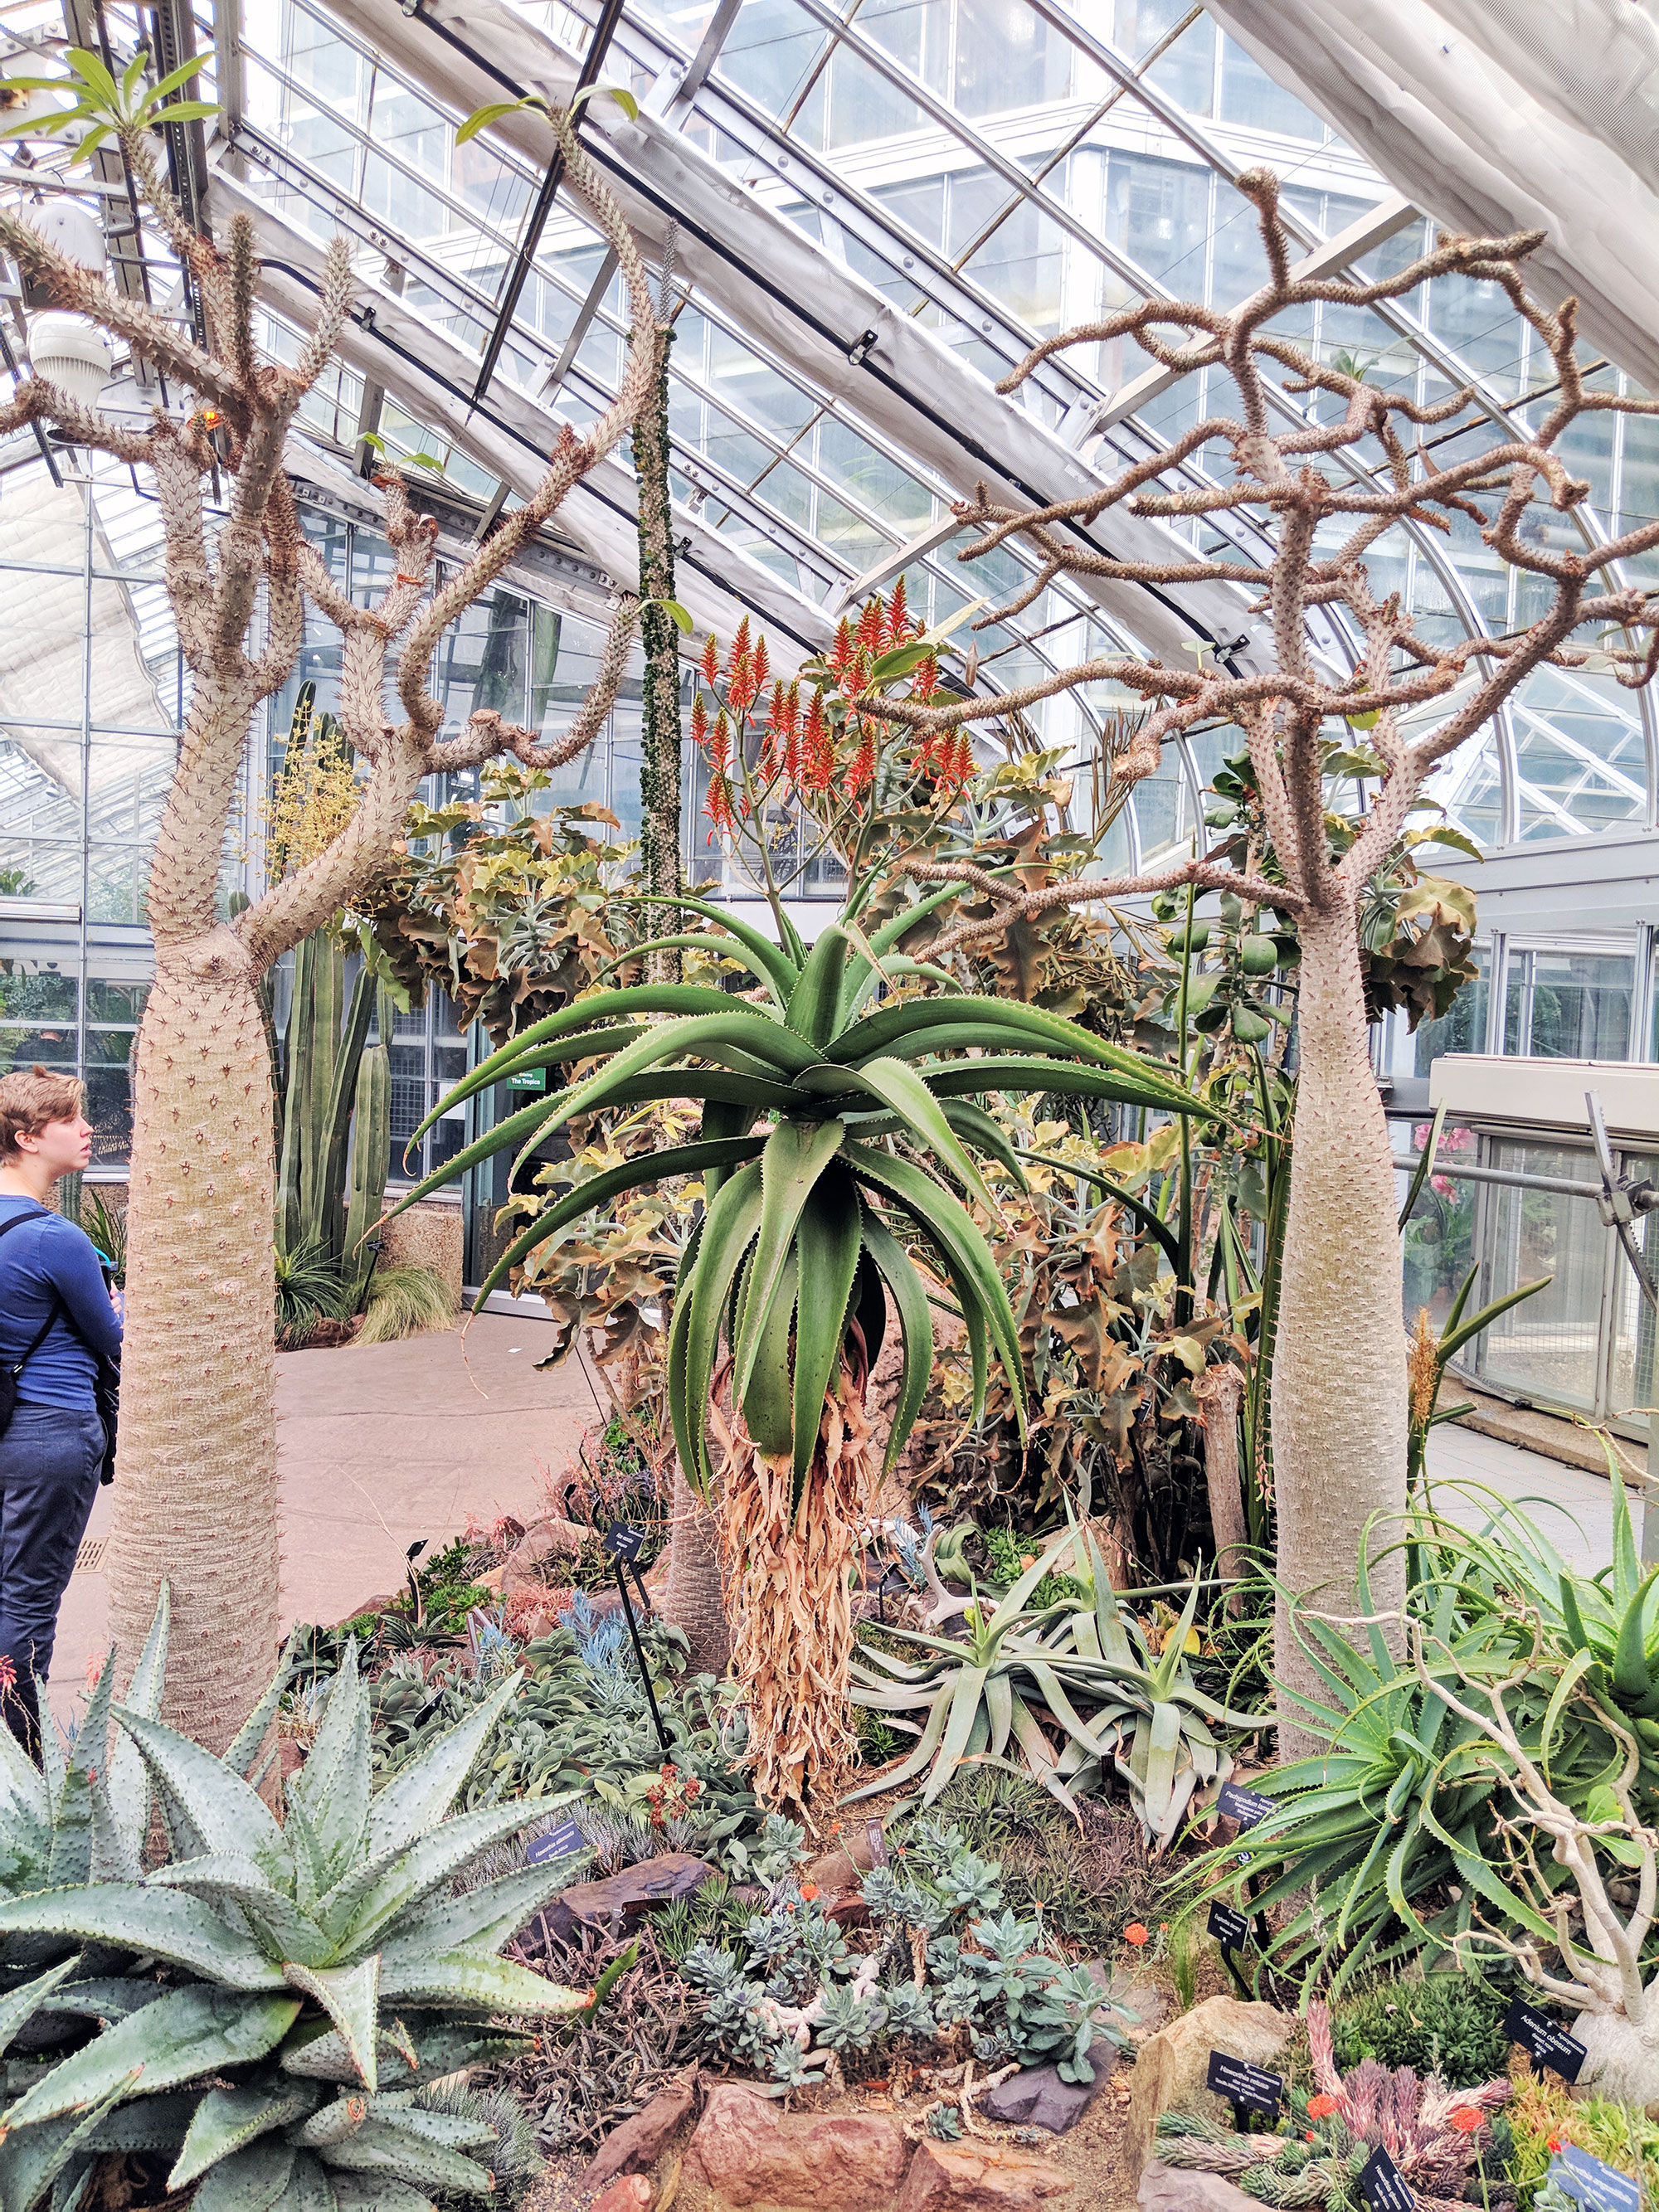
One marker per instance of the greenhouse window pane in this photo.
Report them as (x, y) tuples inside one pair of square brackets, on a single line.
[(1008, 57)]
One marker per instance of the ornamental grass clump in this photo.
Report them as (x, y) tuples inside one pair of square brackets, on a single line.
[(271, 2002)]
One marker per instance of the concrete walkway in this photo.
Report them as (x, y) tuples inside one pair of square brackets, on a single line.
[(377, 1445)]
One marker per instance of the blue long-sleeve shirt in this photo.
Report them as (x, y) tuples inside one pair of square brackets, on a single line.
[(49, 1254)]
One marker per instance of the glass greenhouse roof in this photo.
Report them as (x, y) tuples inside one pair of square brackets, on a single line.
[(875, 207)]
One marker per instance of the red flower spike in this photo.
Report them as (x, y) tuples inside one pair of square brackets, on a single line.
[(761, 666), (898, 616), (871, 624), (711, 662), (699, 720), (841, 653), (862, 773)]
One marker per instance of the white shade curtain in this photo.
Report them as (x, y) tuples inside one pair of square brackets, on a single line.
[(1492, 118)]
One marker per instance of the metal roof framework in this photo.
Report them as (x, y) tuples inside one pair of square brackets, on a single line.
[(804, 271)]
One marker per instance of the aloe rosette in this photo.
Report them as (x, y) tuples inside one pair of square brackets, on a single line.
[(802, 1085), (272, 1998), (1077, 1668)]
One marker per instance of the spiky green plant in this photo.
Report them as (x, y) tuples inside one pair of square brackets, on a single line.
[(300, 1964), (807, 1098), (806, 1199)]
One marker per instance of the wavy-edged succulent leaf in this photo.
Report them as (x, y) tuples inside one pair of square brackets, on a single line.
[(367, 1899), (351, 1995), (251, 2181), (473, 1980), (188, 2033), (220, 1811), (769, 1412), (226, 2121), (420, 1794), (169, 1923)]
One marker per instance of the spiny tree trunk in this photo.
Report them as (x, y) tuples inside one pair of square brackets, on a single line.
[(1338, 1382), (195, 1503), (198, 1438), (693, 1594), (660, 736)]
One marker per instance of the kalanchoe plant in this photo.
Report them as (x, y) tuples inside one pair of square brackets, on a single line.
[(276, 1997)]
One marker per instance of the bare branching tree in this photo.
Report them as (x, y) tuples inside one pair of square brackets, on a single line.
[(1330, 463), (197, 1496)]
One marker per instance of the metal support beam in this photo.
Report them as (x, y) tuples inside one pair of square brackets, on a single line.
[(577, 334)]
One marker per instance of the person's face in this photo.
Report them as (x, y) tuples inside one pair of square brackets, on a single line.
[(61, 1147)]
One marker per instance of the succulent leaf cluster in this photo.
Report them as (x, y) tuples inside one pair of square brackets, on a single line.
[(814, 1196), (272, 1999)]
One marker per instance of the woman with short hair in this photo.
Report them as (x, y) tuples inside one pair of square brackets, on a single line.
[(57, 1322)]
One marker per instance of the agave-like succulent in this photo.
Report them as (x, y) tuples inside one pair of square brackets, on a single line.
[(303, 1964), (795, 1207)]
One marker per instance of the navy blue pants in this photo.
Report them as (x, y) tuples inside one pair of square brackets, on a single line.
[(49, 1465)]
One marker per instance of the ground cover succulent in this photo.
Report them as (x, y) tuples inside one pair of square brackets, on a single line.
[(270, 2000), (789, 1995)]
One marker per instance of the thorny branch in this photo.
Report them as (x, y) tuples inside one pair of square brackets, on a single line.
[(1500, 476), (237, 416)]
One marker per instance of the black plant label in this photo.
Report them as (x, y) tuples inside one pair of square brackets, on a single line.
[(1383, 2186), (1231, 1929), (1544, 2040), (1247, 1807), (1242, 2084), (558, 1843), (623, 1542)]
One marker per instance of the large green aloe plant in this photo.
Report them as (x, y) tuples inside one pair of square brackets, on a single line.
[(313, 1976), (807, 1214), (1079, 1668)]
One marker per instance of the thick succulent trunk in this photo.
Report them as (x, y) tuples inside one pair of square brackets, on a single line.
[(692, 1596), (1339, 1379), (1623, 2065), (195, 1492)]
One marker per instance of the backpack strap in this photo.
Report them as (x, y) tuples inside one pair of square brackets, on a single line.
[(16, 1366)]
